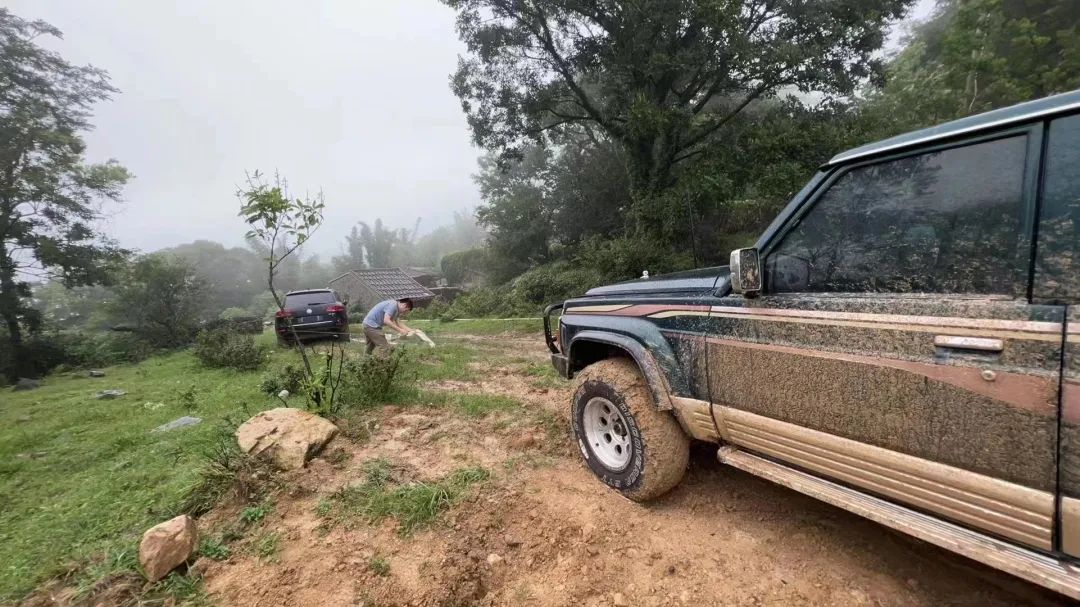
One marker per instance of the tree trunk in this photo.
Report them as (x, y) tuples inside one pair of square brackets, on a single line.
[(9, 311), (650, 175)]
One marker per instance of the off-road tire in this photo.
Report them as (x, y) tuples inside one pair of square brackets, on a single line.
[(660, 449)]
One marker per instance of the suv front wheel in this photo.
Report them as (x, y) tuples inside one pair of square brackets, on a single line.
[(625, 440)]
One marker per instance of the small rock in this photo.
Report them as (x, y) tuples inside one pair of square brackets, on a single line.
[(109, 394), (166, 546), (181, 422), (521, 443), (494, 560), (512, 542), (22, 419), (533, 514), (684, 598), (25, 384), (592, 551), (95, 373), (619, 600)]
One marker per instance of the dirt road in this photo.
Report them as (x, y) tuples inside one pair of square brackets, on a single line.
[(542, 531)]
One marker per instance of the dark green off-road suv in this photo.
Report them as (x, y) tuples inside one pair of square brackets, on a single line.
[(903, 342)]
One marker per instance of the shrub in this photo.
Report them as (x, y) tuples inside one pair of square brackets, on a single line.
[(225, 348), (372, 380), (47, 351), (458, 267), (291, 377), (556, 282), (250, 325), (492, 302), (231, 313), (626, 258), (105, 349)]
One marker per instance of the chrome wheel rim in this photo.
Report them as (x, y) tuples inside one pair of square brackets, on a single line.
[(607, 432)]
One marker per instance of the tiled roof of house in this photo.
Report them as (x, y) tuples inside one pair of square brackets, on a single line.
[(392, 283)]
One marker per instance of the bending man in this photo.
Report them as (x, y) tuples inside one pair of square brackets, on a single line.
[(385, 314)]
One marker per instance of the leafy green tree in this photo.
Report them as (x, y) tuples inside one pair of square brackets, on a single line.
[(280, 224), (162, 298), (972, 56), (49, 197), (460, 267), (517, 212), (659, 77)]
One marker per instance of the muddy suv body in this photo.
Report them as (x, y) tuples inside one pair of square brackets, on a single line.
[(903, 341)]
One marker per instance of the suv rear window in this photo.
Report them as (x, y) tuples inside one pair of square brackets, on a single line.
[(306, 299), (946, 221)]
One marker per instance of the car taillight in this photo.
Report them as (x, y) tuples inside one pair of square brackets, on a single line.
[(335, 308), (283, 314)]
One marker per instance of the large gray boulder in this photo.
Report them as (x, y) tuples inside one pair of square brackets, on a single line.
[(289, 437), (166, 546)]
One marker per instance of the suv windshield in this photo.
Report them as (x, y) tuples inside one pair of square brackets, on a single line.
[(295, 300)]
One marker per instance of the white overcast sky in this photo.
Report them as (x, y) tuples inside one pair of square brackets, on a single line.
[(350, 96)]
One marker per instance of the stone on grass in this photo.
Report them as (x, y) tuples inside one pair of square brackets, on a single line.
[(26, 384), (166, 546), (109, 394), (94, 373), (179, 422), (288, 436)]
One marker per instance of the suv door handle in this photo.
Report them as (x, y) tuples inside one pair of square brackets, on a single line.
[(956, 342)]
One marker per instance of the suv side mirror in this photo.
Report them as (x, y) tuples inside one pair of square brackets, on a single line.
[(745, 272)]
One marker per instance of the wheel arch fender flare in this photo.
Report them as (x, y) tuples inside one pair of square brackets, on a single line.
[(656, 361)]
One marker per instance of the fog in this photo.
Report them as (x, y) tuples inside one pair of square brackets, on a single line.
[(350, 97)]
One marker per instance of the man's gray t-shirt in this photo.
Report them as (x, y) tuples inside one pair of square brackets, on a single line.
[(374, 318)]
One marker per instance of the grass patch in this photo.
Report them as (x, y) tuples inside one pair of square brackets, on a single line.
[(447, 361), (81, 478), (469, 404), (379, 565), (479, 405), (182, 589), (267, 546), (255, 514), (414, 505), (214, 549)]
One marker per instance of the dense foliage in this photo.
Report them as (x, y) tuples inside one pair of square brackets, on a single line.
[(598, 169), (48, 195), (224, 347)]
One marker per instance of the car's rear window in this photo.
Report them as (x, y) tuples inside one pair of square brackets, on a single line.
[(308, 299)]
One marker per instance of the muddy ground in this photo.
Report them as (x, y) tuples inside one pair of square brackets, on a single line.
[(542, 531)]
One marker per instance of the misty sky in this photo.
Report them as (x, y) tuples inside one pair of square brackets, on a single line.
[(350, 96)]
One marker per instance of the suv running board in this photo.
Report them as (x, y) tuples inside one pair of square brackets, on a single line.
[(1026, 564)]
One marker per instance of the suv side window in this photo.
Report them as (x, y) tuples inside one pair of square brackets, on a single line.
[(946, 221), (1057, 256)]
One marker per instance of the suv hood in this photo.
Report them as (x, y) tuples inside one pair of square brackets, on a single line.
[(692, 281)]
